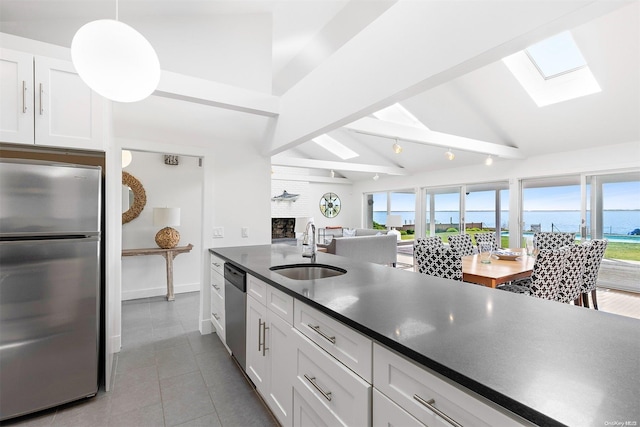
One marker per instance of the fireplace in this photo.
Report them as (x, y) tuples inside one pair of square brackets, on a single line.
[(283, 228)]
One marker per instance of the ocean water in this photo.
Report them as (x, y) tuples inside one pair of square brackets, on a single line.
[(615, 221)]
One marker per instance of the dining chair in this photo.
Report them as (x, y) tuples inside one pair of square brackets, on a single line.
[(545, 278), (462, 243), (433, 241), (595, 254), (570, 286), (440, 261), (551, 240), (489, 238)]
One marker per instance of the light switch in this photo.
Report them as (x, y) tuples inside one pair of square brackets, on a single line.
[(218, 232), (245, 231)]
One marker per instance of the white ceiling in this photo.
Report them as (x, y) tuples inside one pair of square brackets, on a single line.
[(487, 104)]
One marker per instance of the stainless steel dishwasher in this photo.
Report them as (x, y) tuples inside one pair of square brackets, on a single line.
[(235, 306)]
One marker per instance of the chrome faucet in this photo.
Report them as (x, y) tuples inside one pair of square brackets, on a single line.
[(309, 249)]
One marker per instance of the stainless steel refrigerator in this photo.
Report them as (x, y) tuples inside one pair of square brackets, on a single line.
[(49, 284)]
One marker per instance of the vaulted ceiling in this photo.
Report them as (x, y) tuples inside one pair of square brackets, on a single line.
[(483, 104)]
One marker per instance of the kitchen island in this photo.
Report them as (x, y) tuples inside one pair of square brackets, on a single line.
[(547, 362)]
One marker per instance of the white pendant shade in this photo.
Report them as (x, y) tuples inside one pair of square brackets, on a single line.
[(115, 60), (127, 157)]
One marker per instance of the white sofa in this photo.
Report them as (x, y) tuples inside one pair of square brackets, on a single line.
[(367, 245)]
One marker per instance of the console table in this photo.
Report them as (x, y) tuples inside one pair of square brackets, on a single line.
[(168, 254)]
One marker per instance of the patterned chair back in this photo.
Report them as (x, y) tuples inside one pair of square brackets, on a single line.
[(547, 240), (462, 243), (547, 272), (439, 261), (592, 265), (571, 281), (430, 242), (489, 238)]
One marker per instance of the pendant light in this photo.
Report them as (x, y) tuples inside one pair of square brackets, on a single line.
[(115, 60)]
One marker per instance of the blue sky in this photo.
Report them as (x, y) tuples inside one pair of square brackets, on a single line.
[(623, 195)]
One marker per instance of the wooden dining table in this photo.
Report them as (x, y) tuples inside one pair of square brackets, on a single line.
[(497, 272)]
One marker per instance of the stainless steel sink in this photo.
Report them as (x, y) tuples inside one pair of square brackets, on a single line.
[(308, 271)]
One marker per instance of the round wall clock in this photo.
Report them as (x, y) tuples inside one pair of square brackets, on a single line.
[(330, 205)]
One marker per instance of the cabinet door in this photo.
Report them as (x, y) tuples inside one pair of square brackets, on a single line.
[(16, 97), (217, 315), (280, 359), (67, 113), (256, 361)]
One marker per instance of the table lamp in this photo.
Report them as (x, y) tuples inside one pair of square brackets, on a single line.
[(167, 237), (392, 222)]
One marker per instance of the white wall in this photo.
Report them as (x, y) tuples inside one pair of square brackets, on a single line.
[(166, 186), (308, 204)]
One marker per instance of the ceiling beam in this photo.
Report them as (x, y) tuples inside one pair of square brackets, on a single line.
[(309, 178), (375, 127), (338, 166), (413, 47), (206, 92)]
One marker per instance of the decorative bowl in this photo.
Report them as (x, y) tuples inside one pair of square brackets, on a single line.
[(508, 255)]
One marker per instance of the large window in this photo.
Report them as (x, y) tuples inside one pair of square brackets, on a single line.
[(400, 202)]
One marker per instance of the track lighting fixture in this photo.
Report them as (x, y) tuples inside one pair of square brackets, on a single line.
[(333, 174), (376, 177), (450, 154), (397, 148), (488, 161)]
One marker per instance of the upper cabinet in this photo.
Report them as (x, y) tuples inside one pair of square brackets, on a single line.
[(44, 102)]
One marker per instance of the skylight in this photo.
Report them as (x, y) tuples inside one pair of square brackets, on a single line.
[(334, 147), (396, 113), (553, 71), (556, 55)]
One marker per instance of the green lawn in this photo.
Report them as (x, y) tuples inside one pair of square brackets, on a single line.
[(615, 250)]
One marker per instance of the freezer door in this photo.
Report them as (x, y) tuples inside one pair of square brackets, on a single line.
[(45, 199), (49, 311)]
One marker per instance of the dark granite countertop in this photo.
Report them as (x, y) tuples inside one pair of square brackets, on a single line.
[(548, 362)]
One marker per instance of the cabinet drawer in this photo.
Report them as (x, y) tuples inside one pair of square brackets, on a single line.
[(304, 414), (257, 289), (410, 386), (387, 414), (217, 283), (332, 390), (217, 264), (217, 314), (280, 303), (348, 346)]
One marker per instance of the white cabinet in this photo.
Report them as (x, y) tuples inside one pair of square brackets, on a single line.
[(327, 388), (44, 102), (386, 413), (217, 296), (270, 348), (430, 398), (345, 344)]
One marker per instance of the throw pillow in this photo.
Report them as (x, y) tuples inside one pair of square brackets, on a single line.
[(348, 233)]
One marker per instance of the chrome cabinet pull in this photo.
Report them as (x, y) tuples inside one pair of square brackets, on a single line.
[(217, 288), (216, 264), (312, 380), (215, 315), (259, 333), (264, 338), (429, 404), (41, 92), (316, 328), (24, 96)]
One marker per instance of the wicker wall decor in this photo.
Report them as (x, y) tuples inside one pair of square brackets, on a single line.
[(139, 197)]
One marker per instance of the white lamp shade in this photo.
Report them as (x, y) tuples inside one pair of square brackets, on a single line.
[(394, 221), (115, 60), (301, 224), (166, 217), (127, 157)]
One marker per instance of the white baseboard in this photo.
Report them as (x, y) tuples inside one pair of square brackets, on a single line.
[(206, 327), (154, 292)]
